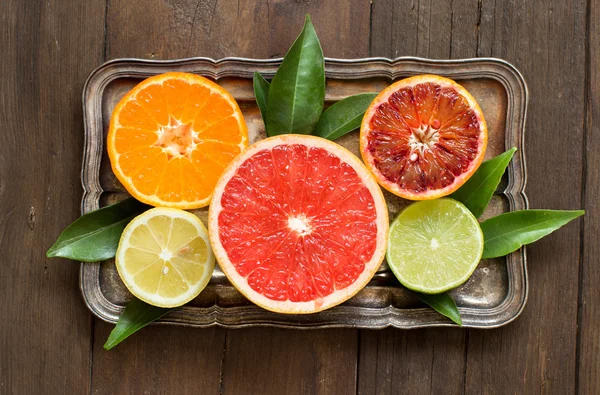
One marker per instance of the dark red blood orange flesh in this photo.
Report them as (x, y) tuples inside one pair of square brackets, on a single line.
[(423, 137)]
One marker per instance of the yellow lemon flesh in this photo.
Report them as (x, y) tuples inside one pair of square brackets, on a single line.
[(164, 257)]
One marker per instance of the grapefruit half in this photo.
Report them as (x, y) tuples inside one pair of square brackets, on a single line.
[(298, 224), (423, 137)]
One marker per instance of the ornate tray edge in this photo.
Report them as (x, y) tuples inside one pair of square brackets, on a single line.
[(497, 69)]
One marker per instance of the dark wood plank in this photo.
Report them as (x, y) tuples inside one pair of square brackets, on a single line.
[(255, 360), (433, 360), (537, 353), (48, 48), (392, 361), (439, 29), (297, 362), (158, 360), (588, 363), (411, 28), (213, 28), (277, 361), (427, 28), (389, 31), (486, 35), (161, 359), (465, 16)]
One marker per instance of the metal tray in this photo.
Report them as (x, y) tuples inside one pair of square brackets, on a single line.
[(493, 296)]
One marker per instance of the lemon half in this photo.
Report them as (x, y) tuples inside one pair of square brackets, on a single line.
[(164, 257)]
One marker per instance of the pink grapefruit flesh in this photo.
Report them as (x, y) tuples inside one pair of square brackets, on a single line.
[(298, 224)]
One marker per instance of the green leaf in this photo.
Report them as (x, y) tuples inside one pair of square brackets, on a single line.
[(509, 231), (261, 93), (297, 91), (344, 116), (95, 236), (137, 315), (479, 189), (443, 304)]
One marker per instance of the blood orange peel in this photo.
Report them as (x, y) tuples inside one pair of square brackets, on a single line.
[(298, 224), (423, 137)]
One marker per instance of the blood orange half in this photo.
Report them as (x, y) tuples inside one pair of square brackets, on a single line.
[(298, 224), (423, 137)]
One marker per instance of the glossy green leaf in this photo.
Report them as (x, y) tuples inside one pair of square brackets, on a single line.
[(344, 116), (479, 189), (297, 91), (137, 315), (443, 304), (95, 236), (261, 93), (509, 231)]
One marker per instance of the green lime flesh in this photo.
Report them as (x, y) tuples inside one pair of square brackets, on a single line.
[(434, 245)]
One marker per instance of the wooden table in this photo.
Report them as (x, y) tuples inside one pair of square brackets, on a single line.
[(50, 343)]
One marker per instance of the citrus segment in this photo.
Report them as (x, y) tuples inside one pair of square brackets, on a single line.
[(176, 93), (298, 224), (152, 100), (423, 137), (132, 114), (434, 246), (164, 257), (159, 128)]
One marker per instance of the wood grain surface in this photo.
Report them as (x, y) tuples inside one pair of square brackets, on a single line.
[(588, 346), (48, 49), (49, 343), (537, 353)]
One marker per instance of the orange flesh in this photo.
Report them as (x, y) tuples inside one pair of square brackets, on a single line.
[(173, 138), (297, 222), (424, 137)]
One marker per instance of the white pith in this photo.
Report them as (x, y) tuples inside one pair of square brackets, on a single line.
[(166, 255), (338, 296), (422, 139), (300, 224), (171, 146)]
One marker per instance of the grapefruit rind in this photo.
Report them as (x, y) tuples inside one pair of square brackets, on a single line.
[(382, 98), (113, 155), (127, 278), (338, 296)]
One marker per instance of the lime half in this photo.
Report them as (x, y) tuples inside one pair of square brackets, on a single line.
[(434, 245)]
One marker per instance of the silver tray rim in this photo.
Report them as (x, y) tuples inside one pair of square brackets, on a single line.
[(339, 316)]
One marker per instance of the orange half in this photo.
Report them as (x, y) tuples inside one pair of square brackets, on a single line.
[(171, 137)]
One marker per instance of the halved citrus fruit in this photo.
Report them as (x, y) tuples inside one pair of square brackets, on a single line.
[(164, 257), (423, 137), (434, 245), (171, 136), (298, 224)]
